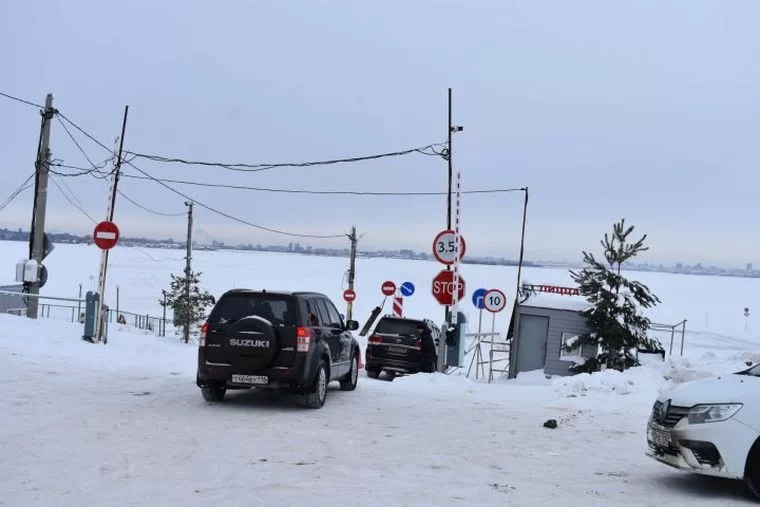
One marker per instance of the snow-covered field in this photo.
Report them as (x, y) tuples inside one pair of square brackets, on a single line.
[(124, 424)]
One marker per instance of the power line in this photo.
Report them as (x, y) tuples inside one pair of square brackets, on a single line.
[(79, 146), (236, 219), (205, 206), (97, 169), (322, 192), (299, 191), (17, 99), (71, 201), (423, 150), (25, 185), (148, 209)]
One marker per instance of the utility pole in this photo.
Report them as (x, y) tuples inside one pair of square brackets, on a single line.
[(351, 271), (100, 317), (42, 167), (189, 205), (449, 158)]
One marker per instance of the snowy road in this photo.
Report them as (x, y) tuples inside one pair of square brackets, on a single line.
[(80, 428)]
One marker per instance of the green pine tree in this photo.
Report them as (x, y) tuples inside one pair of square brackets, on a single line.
[(195, 307), (615, 320)]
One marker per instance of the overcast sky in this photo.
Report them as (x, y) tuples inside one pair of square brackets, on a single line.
[(648, 110)]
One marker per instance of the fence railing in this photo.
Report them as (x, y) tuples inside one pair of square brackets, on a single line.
[(72, 310), (673, 330)]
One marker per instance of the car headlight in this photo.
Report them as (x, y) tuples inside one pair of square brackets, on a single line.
[(700, 414)]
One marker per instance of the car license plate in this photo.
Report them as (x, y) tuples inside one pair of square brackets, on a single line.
[(660, 438), (250, 379), (397, 350)]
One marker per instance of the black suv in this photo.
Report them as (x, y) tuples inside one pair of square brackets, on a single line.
[(295, 341), (402, 345)]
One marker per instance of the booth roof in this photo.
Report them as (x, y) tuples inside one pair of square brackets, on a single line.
[(557, 302)]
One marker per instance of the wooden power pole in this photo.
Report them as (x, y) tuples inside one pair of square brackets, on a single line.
[(188, 270), (42, 166), (351, 271), (100, 317)]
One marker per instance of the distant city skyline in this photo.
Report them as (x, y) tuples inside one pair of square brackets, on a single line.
[(296, 243)]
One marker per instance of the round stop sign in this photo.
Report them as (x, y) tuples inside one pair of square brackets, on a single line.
[(349, 295)]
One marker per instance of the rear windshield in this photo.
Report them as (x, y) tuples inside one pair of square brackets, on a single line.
[(279, 310), (399, 327)]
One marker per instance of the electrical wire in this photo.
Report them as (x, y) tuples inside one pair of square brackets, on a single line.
[(307, 192), (82, 171), (264, 167), (234, 218), (79, 146), (17, 99), (323, 192), (81, 208), (72, 201), (25, 185), (144, 208), (97, 169), (202, 205)]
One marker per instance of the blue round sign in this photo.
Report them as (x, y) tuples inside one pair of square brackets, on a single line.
[(407, 289), (477, 298)]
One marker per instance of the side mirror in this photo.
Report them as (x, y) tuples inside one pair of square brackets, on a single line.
[(352, 325)]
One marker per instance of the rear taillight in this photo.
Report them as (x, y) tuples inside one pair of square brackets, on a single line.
[(204, 332), (303, 335), (375, 339), (418, 343)]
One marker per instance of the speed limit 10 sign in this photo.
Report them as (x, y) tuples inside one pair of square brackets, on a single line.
[(443, 247), (494, 300)]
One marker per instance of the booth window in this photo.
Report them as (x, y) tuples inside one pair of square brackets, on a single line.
[(571, 346)]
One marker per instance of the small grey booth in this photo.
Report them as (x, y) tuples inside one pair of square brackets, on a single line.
[(541, 324)]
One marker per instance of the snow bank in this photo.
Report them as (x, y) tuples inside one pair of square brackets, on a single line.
[(62, 343), (436, 383), (605, 381), (654, 376)]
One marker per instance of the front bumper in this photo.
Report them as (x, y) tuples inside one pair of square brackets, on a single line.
[(719, 449)]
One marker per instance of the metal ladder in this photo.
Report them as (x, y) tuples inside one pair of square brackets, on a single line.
[(498, 353)]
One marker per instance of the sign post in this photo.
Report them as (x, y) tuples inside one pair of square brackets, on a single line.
[(746, 319), (494, 301), (477, 357), (106, 236)]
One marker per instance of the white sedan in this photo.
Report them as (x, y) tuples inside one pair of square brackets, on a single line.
[(710, 426)]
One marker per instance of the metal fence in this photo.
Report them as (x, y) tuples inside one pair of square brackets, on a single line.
[(13, 301), (670, 330)]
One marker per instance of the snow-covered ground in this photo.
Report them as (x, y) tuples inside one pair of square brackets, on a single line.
[(124, 424)]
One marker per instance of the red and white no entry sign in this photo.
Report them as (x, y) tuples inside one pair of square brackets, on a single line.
[(106, 235), (388, 288), (494, 300), (349, 295)]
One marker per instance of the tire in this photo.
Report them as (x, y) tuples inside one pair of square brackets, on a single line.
[(213, 392), (348, 383), (373, 373), (430, 366), (752, 470), (316, 398)]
